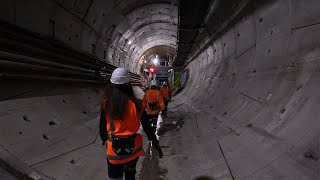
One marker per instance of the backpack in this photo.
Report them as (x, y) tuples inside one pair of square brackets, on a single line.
[(153, 105)]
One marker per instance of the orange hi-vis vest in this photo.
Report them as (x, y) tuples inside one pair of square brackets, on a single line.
[(127, 126), (165, 91), (153, 95)]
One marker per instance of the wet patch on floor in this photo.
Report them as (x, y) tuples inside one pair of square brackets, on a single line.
[(151, 169), (171, 123)]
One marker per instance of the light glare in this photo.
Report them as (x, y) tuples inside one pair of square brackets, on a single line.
[(155, 61)]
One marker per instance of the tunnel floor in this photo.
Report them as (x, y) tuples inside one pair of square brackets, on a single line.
[(196, 144), (189, 153), (195, 141)]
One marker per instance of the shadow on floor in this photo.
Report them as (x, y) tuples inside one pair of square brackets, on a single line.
[(204, 178)]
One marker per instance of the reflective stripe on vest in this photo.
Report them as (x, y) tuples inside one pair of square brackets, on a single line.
[(121, 157)]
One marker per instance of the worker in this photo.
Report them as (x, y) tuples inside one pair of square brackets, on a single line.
[(119, 124), (152, 105), (166, 94)]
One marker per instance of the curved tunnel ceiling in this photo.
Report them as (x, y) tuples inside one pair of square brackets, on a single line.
[(101, 27), (145, 27)]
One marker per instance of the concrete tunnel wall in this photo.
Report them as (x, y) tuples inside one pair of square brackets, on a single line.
[(101, 28), (256, 89), (46, 121), (49, 128)]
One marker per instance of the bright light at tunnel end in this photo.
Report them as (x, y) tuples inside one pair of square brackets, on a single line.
[(156, 60)]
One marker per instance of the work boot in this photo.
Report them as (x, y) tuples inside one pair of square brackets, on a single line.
[(158, 148)]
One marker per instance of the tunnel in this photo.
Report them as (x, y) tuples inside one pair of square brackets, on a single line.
[(246, 107)]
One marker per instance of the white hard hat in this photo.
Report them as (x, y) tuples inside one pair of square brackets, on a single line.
[(165, 83), (153, 83), (120, 76)]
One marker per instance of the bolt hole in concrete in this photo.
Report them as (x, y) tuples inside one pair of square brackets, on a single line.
[(260, 20), (238, 35), (249, 125), (269, 51), (64, 101), (20, 132), (25, 118), (299, 87), (310, 155), (225, 113), (51, 123), (254, 71), (292, 65), (72, 161), (282, 110), (44, 136), (84, 112)]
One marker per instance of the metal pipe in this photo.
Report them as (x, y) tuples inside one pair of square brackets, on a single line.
[(8, 67), (5, 55), (32, 77)]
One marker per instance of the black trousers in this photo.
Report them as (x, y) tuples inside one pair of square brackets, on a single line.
[(149, 124), (117, 170), (166, 102)]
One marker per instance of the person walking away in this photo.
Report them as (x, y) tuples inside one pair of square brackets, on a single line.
[(119, 124), (166, 93), (152, 105)]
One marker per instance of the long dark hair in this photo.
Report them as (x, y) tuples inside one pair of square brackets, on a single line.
[(117, 97)]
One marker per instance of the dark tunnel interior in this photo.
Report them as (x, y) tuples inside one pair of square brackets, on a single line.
[(245, 77)]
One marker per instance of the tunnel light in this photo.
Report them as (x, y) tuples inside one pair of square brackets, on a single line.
[(129, 42), (155, 61)]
